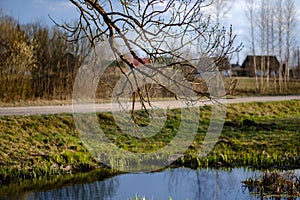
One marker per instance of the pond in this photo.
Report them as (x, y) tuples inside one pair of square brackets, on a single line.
[(178, 183)]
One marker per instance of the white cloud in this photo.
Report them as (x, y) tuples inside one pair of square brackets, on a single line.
[(60, 6)]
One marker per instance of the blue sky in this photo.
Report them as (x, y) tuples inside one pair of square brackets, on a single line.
[(27, 11)]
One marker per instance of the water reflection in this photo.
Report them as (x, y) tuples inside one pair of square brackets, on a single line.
[(180, 183), (210, 184), (97, 190)]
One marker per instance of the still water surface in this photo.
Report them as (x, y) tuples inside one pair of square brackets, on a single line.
[(180, 184)]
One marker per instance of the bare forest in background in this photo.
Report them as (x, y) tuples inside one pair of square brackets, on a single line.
[(36, 62)]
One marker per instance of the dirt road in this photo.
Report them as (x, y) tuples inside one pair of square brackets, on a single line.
[(106, 107)]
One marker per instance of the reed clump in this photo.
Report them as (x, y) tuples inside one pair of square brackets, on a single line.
[(274, 184)]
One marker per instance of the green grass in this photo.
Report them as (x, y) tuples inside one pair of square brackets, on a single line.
[(255, 134), (35, 146), (258, 135)]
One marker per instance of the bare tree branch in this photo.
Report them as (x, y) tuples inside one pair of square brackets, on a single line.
[(176, 30)]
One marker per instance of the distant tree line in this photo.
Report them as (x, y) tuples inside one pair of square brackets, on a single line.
[(273, 31), (36, 61), (41, 62)]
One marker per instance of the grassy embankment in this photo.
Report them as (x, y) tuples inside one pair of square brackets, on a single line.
[(255, 134)]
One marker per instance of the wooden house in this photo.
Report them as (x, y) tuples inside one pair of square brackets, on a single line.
[(264, 64)]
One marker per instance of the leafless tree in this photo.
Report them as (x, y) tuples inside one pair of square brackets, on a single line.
[(155, 24), (250, 14), (220, 9), (264, 27), (280, 31), (268, 34), (290, 24), (258, 15), (273, 38)]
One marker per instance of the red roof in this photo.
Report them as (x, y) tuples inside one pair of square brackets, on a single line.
[(136, 63)]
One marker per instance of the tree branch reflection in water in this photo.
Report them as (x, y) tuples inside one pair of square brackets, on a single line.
[(101, 190)]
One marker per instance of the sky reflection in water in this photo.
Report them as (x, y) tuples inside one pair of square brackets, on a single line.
[(180, 183)]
